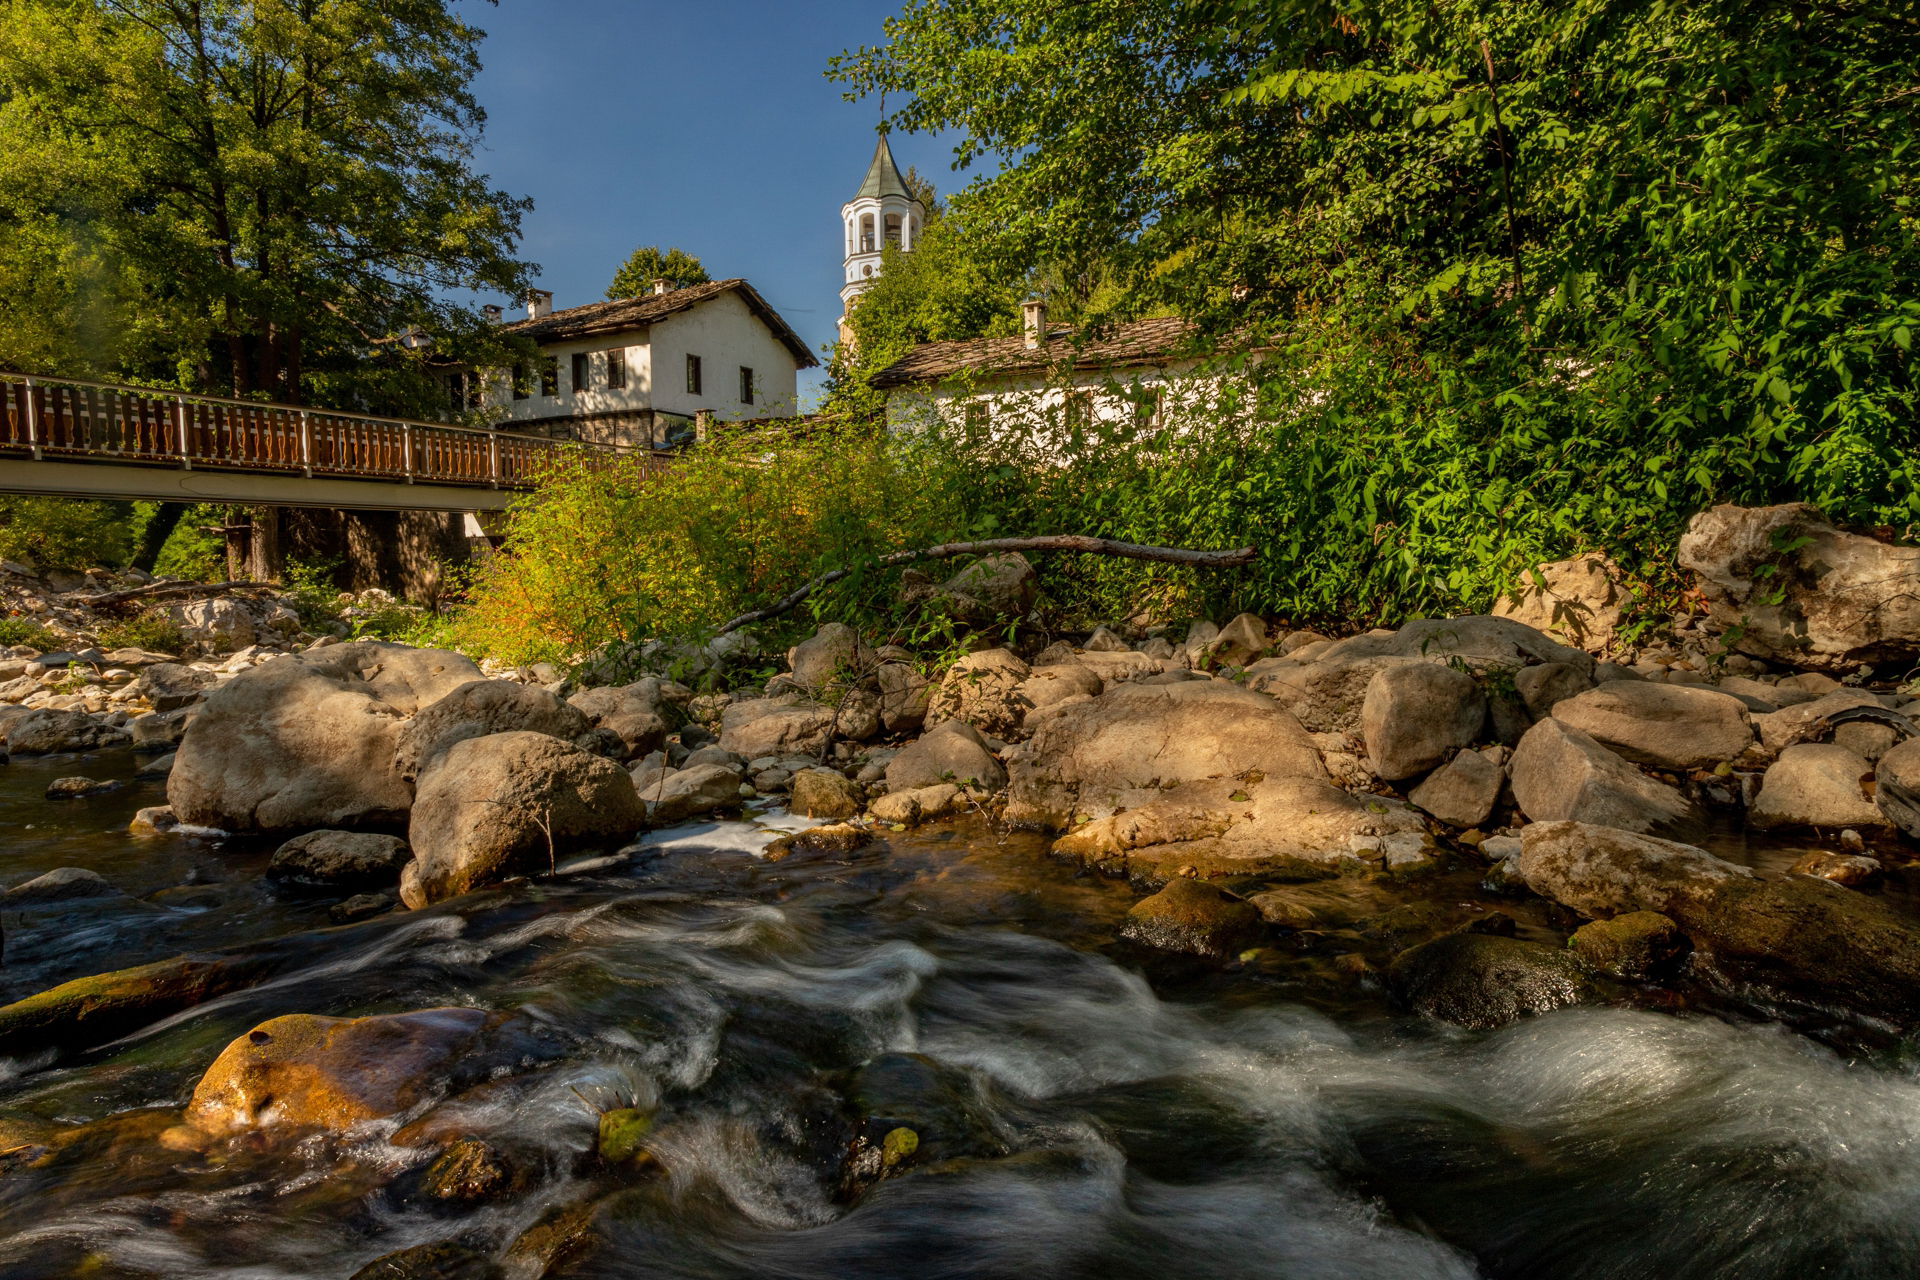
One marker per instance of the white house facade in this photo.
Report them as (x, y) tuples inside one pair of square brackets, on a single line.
[(884, 212), (641, 371)]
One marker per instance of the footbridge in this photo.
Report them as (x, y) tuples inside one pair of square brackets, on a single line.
[(79, 439)]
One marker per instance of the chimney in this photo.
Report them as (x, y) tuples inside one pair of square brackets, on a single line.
[(539, 303), (492, 312), (662, 286), (1035, 310)]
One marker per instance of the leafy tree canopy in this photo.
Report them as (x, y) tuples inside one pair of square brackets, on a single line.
[(647, 264)]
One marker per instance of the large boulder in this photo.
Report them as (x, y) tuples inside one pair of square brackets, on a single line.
[(511, 802), (822, 793), (1191, 916), (309, 740), (1559, 773), (1477, 641), (1671, 726), (477, 709), (170, 685), (49, 732), (641, 713), (904, 691), (784, 725), (1579, 602), (1816, 784), (223, 622), (983, 689), (950, 752), (1463, 791), (1325, 696), (1898, 789), (1124, 747), (1831, 602), (1802, 937), (1415, 716), (831, 658), (1635, 946), (1240, 643), (677, 796), (1482, 981), (1064, 682), (1546, 685), (1780, 729), (352, 859)]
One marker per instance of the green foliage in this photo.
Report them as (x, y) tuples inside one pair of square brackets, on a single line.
[(308, 589), (19, 630), (192, 553), (63, 533), (647, 264), (152, 631)]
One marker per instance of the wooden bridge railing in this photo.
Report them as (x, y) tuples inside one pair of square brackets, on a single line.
[(68, 418)]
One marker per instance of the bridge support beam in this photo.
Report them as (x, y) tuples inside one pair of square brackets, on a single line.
[(121, 480)]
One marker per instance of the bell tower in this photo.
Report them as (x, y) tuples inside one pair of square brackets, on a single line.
[(883, 212)]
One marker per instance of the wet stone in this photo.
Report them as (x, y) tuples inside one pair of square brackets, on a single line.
[(1851, 870), (469, 1173), (1635, 946), (1481, 982), (359, 907), (59, 885), (1197, 918), (75, 788), (442, 1260)]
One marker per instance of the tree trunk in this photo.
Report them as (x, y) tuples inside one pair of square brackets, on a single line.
[(265, 561)]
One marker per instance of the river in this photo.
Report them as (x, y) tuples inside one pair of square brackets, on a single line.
[(1087, 1111)]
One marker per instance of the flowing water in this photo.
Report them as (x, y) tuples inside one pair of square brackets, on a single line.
[(1093, 1113)]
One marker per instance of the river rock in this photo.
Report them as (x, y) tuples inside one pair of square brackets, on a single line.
[(1579, 601), (59, 885), (1103, 640), (1846, 599), (171, 685), (1784, 727), (1559, 773), (1481, 981), (154, 820), (161, 730), (77, 787), (686, 792), (310, 740), (951, 752), (918, 804), (983, 689), (830, 659), (50, 732), (1850, 869), (101, 1008), (1240, 643), (513, 802), (822, 793), (348, 858), (775, 726), (1194, 917), (1897, 792), (1670, 726), (1325, 696), (359, 907), (1124, 748), (1414, 716), (477, 709), (1867, 740), (1461, 792), (435, 1260), (991, 589), (1635, 946), (1816, 785), (904, 691), (223, 620), (641, 712), (1050, 686), (302, 1071), (1483, 643), (1546, 685)]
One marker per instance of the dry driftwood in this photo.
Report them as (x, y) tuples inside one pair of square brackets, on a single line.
[(1057, 542), (167, 589)]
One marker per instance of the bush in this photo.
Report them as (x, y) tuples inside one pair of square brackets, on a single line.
[(192, 554), (152, 630), (64, 533), (17, 630)]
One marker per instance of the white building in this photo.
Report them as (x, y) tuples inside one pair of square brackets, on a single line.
[(640, 371), (884, 212)]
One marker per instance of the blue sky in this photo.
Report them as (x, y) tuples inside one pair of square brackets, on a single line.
[(705, 124)]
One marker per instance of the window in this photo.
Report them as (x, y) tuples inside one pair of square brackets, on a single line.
[(746, 385), (893, 229), (456, 392), (549, 375), (693, 375), (519, 382), (979, 416), (617, 368), (866, 233), (579, 372), (1146, 411), (1079, 412)]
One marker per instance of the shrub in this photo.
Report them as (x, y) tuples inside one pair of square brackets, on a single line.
[(64, 533), (152, 630), (18, 630), (191, 553)]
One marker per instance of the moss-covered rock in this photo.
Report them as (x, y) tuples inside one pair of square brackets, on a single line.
[(1634, 946), (94, 1010), (1194, 917), (1479, 981), (822, 793)]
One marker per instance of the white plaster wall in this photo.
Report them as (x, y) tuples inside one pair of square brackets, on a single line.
[(725, 334), (597, 398)]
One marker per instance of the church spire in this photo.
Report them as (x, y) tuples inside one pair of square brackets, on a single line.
[(883, 175)]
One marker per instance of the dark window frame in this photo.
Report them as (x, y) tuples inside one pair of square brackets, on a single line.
[(520, 391), (550, 376), (746, 385), (616, 368), (693, 375), (580, 374)]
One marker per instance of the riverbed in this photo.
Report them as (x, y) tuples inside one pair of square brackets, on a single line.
[(1096, 1111)]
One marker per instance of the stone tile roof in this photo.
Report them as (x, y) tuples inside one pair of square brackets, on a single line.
[(622, 314), (1139, 342)]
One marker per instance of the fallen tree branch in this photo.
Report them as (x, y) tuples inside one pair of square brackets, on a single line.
[(167, 589), (1057, 542)]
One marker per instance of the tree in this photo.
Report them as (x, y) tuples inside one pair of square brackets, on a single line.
[(647, 264), (273, 193)]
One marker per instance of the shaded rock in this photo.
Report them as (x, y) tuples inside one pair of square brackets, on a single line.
[(1482, 981), (1559, 773), (1866, 740), (1897, 793), (1125, 747), (1479, 641), (1754, 691), (103, 1007), (1849, 869), (918, 804), (1800, 937), (1240, 643), (983, 689), (477, 709), (161, 730), (1461, 792), (169, 686), (830, 659), (1845, 599), (59, 885), (77, 787), (154, 820), (604, 743), (1194, 917), (686, 792), (1670, 726), (952, 751), (1325, 696), (1545, 686), (1051, 686), (641, 712), (1414, 716), (991, 589), (310, 740), (837, 837), (775, 726), (511, 802), (350, 858), (1103, 640), (1781, 729), (1634, 946), (360, 906), (822, 793), (302, 1071), (1579, 602), (1816, 785), (50, 732), (904, 691)]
